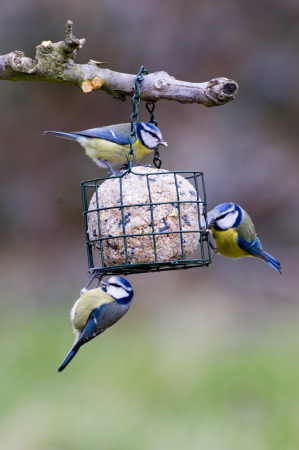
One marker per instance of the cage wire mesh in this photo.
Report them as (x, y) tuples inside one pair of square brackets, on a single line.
[(182, 231), (102, 242)]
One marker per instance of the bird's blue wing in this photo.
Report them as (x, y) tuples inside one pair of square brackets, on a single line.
[(90, 331), (118, 134), (255, 248)]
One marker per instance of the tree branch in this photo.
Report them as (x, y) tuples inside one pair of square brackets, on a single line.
[(55, 62)]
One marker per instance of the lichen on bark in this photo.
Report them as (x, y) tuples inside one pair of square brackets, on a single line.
[(56, 62)]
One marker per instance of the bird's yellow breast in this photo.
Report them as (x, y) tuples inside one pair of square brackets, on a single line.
[(226, 242), (89, 301), (111, 152)]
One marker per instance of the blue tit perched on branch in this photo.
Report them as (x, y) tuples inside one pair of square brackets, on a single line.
[(96, 310), (235, 235), (108, 146)]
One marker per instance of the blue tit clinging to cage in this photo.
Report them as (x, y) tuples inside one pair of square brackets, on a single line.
[(96, 310), (235, 235), (108, 146)]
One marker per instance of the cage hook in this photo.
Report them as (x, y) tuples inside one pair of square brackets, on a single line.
[(150, 107), (157, 160)]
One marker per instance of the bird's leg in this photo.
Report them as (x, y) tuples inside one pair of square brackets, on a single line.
[(214, 249), (110, 167), (115, 173), (212, 242), (95, 274), (100, 162), (99, 277)]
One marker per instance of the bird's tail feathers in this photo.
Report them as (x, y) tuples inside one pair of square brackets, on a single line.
[(271, 261), (68, 359), (63, 135)]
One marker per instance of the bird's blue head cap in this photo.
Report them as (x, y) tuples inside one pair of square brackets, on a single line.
[(225, 216), (118, 288), (149, 135)]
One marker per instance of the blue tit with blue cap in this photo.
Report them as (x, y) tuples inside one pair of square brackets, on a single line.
[(96, 310), (108, 146), (235, 235)]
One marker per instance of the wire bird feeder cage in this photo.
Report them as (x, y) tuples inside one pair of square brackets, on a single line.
[(145, 219)]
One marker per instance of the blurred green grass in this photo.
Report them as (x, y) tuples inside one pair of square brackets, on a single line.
[(144, 386)]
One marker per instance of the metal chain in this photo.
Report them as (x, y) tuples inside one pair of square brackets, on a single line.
[(135, 102), (157, 160), (151, 107)]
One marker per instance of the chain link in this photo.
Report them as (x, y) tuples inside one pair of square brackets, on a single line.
[(135, 102), (150, 107), (157, 160)]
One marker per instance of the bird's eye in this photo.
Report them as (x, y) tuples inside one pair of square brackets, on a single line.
[(153, 134), (222, 216)]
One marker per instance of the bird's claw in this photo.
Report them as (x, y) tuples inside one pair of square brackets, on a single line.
[(115, 173), (205, 238), (92, 274)]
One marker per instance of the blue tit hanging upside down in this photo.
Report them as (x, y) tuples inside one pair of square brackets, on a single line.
[(235, 235), (108, 146), (96, 310)]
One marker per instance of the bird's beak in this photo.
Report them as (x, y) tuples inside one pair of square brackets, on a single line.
[(104, 282), (162, 142)]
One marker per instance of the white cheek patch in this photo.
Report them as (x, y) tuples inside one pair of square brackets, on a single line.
[(149, 140), (228, 221), (117, 292)]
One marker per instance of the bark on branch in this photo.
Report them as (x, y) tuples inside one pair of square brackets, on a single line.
[(55, 62)]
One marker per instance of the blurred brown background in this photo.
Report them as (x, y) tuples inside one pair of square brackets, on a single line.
[(248, 150)]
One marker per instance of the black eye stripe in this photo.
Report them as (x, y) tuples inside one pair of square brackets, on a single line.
[(118, 286)]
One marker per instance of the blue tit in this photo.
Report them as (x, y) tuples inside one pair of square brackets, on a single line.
[(108, 146), (235, 235), (96, 310)]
